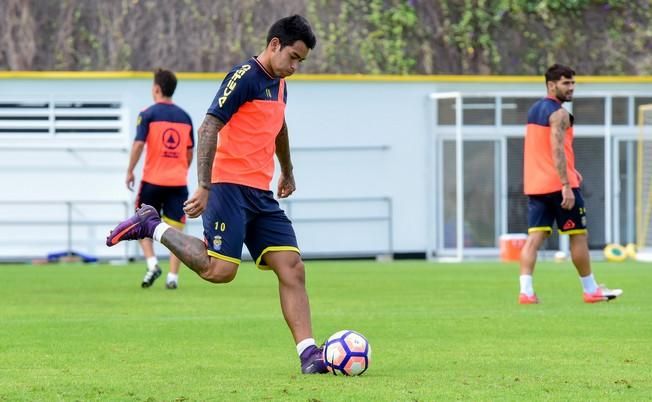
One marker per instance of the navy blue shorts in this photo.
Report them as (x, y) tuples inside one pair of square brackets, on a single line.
[(237, 215), (168, 201), (545, 209)]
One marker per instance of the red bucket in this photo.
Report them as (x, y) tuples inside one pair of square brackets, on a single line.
[(511, 245)]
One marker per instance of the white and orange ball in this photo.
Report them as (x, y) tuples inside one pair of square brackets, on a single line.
[(560, 256), (347, 353)]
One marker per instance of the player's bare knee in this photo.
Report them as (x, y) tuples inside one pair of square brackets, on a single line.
[(579, 254), (299, 270), (535, 240), (529, 247), (216, 275), (294, 273), (220, 271)]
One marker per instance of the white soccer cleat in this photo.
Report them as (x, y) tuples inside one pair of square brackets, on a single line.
[(602, 294)]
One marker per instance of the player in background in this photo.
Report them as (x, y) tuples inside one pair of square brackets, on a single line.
[(165, 131), (243, 129), (552, 185)]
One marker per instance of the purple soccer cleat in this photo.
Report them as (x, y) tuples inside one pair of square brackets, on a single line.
[(139, 226), (312, 361)]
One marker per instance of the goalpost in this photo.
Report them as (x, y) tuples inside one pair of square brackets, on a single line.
[(644, 184)]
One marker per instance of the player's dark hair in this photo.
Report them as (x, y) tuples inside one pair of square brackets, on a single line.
[(556, 71), (166, 80), (291, 29)]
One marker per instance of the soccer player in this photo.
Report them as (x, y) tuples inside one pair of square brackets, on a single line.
[(165, 131), (553, 187), (243, 129)]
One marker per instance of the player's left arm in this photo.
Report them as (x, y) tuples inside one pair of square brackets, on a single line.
[(286, 184), (559, 123)]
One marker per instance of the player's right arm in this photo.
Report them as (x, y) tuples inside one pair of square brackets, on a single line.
[(233, 92), (136, 152), (142, 126), (208, 132), (559, 123)]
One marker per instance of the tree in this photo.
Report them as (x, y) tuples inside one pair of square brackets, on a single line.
[(353, 36)]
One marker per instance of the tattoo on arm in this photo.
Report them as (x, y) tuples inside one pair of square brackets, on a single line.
[(559, 122), (283, 150), (208, 132)]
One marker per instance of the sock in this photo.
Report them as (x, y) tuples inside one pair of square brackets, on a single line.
[(159, 230), (305, 344), (526, 285), (172, 277), (589, 284), (151, 263)]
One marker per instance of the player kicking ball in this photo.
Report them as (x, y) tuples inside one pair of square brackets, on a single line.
[(233, 198)]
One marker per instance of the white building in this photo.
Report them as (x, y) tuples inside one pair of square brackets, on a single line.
[(375, 159)]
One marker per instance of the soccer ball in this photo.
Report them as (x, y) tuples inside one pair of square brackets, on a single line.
[(560, 256), (347, 353)]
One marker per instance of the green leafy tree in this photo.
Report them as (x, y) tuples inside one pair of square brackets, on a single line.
[(354, 36)]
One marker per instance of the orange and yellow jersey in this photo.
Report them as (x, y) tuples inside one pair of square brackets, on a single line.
[(166, 130), (540, 174), (251, 104)]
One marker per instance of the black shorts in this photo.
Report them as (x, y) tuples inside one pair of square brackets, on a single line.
[(544, 209), (237, 215), (168, 201)]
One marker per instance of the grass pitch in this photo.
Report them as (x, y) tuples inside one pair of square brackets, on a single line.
[(438, 332)]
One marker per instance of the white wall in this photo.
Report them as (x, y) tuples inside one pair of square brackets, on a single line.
[(350, 139)]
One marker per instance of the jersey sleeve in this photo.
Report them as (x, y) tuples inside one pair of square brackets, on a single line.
[(234, 91), (142, 126)]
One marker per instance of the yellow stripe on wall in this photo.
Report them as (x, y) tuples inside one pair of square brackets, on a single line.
[(103, 75)]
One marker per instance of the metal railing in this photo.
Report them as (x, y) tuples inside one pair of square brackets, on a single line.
[(388, 217), (68, 220), (384, 213)]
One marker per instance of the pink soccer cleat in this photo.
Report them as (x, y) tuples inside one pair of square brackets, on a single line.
[(602, 294), (525, 299)]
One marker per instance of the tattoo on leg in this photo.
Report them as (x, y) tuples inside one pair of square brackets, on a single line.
[(190, 250)]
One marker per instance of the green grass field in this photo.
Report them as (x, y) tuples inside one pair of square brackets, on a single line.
[(438, 332)]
